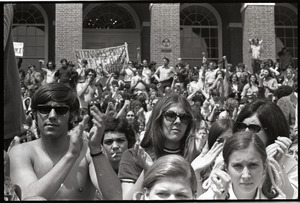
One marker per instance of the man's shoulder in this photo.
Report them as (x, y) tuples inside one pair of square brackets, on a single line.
[(24, 149)]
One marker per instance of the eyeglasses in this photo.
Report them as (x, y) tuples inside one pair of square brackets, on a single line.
[(242, 126), (130, 115), (60, 110), (171, 116)]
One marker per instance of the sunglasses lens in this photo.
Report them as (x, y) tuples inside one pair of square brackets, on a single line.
[(61, 110), (170, 116), (185, 118), (254, 128), (240, 126), (44, 109)]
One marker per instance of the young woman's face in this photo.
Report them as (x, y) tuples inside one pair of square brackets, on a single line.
[(130, 117), (175, 130), (252, 78), (234, 78), (169, 188), (289, 74), (247, 170)]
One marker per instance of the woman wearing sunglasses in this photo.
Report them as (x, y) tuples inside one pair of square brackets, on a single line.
[(266, 119), (170, 125)]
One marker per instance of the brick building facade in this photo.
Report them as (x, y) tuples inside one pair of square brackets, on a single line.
[(166, 29), (68, 30)]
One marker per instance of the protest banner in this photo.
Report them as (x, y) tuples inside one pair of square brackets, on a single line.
[(108, 59), (19, 49)]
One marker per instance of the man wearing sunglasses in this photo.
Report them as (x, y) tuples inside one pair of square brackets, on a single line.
[(64, 163)]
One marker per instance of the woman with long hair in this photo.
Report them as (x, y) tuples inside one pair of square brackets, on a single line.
[(167, 131)]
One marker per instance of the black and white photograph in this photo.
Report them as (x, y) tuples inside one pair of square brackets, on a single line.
[(150, 100)]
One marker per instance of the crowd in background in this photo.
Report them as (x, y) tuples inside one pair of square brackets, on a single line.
[(218, 95)]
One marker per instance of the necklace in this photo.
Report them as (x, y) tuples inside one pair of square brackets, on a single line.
[(171, 151)]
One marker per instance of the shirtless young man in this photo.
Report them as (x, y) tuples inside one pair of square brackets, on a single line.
[(87, 91), (61, 164), (164, 74)]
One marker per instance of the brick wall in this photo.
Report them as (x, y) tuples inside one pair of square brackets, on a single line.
[(259, 21), (165, 24), (68, 31)]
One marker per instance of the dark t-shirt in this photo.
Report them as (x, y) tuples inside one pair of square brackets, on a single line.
[(64, 74), (128, 168)]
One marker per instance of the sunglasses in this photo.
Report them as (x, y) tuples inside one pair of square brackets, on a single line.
[(60, 110), (242, 126), (171, 116)]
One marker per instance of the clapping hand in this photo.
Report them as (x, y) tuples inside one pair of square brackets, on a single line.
[(97, 131), (142, 157), (75, 134)]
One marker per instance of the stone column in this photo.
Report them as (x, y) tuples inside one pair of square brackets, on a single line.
[(259, 21), (68, 31), (165, 32)]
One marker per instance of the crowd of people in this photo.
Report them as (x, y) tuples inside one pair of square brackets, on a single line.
[(216, 131)]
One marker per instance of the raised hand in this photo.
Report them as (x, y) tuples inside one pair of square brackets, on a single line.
[(205, 159), (127, 102), (97, 131), (219, 183), (141, 157), (279, 149), (75, 135)]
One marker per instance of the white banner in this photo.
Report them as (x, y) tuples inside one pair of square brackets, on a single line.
[(109, 59), (19, 48)]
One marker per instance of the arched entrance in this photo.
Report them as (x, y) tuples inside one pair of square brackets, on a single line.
[(286, 29), (111, 24), (30, 26), (200, 31)]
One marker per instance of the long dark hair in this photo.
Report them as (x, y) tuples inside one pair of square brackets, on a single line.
[(154, 138), (270, 116)]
